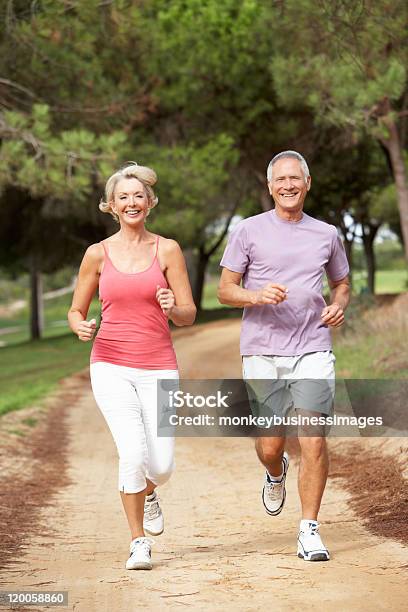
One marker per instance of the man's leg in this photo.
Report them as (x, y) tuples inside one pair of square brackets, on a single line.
[(270, 453), (313, 391), (313, 470), (312, 429), (268, 398)]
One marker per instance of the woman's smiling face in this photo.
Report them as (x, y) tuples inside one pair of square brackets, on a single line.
[(130, 201)]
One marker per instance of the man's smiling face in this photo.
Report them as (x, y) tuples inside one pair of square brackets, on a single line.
[(288, 186)]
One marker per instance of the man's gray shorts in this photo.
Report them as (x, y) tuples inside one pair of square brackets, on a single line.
[(276, 384)]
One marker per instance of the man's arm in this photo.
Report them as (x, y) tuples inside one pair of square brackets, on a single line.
[(333, 315), (231, 293)]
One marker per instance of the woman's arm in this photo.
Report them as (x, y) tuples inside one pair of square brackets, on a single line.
[(87, 284), (177, 302)]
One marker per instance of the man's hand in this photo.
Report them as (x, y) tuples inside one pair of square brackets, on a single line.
[(271, 294), (333, 315), (86, 329), (165, 297)]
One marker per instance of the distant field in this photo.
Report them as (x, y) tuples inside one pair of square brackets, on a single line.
[(388, 281), (55, 320)]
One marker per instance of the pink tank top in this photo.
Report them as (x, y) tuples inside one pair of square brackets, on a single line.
[(134, 331)]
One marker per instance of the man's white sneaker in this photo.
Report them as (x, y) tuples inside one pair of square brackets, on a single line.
[(140, 554), (274, 491), (310, 545), (153, 521)]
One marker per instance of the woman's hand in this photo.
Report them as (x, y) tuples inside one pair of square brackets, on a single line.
[(86, 330), (165, 297), (176, 301), (86, 286)]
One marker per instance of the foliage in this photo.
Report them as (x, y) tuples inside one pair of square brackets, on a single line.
[(348, 57), (60, 165), (192, 186), (203, 91)]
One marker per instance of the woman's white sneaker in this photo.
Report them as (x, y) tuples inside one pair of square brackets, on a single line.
[(140, 554), (274, 491), (153, 521), (310, 545)]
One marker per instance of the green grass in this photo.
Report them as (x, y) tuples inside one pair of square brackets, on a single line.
[(30, 370), (392, 281), (210, 299), (360, 360), (373, 342), (355, 361), (55, 320), (30, 422), (386, 281)]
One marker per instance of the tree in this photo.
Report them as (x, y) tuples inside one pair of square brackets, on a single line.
[(63, 39), (210, 61), (353, 183), (45, 179), (201, 190), (83, 59), (347, 61)]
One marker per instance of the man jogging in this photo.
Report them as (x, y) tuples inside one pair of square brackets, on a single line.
[(280, 256)]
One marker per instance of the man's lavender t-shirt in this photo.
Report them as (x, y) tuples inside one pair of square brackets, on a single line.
[(268, 249)]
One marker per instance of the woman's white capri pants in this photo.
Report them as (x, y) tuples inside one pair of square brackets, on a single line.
[(127, 398)]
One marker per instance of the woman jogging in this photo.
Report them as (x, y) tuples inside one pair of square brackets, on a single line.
[(143, 282)]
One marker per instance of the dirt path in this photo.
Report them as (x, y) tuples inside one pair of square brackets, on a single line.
[(219, 550)]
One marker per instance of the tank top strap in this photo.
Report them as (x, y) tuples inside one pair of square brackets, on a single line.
[(106, 260), (157, 247)]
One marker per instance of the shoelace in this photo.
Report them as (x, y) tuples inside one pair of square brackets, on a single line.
[(152, 509), (312, 530), (144, 543), (274, 489)]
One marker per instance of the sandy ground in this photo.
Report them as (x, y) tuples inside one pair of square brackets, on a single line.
[(219, 549)]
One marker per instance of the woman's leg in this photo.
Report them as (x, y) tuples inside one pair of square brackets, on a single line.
[(150, 486), (160, 450), (120, 405), (133, 503)]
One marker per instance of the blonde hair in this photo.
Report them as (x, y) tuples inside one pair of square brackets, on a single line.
[(145, 175)]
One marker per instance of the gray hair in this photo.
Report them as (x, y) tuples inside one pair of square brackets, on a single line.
[(294, 155), (145, 175)]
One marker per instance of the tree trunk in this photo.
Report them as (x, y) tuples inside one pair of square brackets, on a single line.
[(190, 260), (266, 200), (392, 143), (348, 247), (204, 257), (201, 267), (369, 234), (265, 197), (348, 237), (36, 301)]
